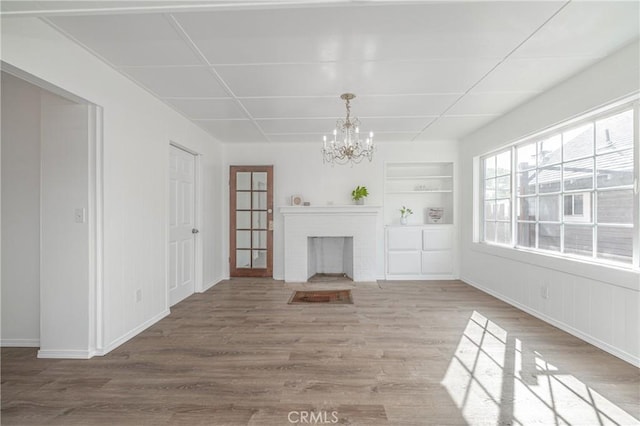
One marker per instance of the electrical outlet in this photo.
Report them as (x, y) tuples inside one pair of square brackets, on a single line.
[(80, 215), (544, 291), (138, 295)]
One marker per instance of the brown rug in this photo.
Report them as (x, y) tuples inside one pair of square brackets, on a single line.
[(335, 297)]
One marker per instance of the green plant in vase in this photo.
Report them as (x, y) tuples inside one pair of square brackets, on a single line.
[(405, 212), (359, 193)]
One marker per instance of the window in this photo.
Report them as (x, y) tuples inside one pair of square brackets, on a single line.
[(572, 190), (497, 198)]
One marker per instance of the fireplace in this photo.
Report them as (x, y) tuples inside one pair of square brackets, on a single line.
[(330, 256), (356, 225)]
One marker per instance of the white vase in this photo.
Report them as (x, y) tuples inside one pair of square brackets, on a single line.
[(360, 202), (403, 220)]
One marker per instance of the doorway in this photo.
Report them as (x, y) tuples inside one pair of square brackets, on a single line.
[(182, 224), (251, 221)]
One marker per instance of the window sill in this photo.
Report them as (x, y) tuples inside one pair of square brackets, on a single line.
[(628, 278)]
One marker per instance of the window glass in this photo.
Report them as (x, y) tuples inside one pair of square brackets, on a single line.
[(573, 191)]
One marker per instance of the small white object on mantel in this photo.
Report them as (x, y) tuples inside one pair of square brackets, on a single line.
[(358, 222)]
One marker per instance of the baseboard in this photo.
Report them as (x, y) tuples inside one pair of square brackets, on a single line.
[(129, 335), (625, 356), (212, 284), (20, 343), (65, 353)]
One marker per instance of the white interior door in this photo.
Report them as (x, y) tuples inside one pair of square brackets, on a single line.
[(182, 230)]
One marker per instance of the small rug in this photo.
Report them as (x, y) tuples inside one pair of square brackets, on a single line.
[(334, 297)]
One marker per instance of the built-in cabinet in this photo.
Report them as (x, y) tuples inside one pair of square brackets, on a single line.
[(419, 252), (425, 247)]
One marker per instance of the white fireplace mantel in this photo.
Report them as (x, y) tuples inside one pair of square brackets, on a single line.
[(347, 209), (303, 222)]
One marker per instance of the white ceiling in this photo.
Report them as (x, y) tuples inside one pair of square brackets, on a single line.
[(260, 71)]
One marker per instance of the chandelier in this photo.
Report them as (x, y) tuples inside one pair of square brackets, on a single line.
[(347, 147)]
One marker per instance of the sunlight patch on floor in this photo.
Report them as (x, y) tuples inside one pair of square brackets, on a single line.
[(495, 378)]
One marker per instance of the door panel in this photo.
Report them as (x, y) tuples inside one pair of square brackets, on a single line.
[(251, 201), (181, 225)]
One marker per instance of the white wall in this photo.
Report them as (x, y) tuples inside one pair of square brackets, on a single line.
[(598, 304), (66, 317), (137, 130), (20, 213), (298, 169)]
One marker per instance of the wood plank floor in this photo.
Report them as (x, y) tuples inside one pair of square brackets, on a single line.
[(405, 353)]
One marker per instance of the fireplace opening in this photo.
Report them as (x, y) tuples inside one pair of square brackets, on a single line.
[(329, 258)]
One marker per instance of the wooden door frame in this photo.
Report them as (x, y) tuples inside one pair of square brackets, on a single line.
[(233, 271)]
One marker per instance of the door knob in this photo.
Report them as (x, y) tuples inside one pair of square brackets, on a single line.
[(194, 231)]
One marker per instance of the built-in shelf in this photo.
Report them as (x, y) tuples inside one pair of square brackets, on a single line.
[(421, 192), (417, 177), (420, 186)]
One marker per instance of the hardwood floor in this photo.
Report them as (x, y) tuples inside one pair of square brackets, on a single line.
[(405, 353)]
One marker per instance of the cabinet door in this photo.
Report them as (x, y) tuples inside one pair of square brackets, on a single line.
[(404, 238), (437, 262), (437, 239), (404, 263)]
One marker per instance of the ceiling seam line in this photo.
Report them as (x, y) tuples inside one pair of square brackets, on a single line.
[(187, 39), (118, 70), (560, 9)]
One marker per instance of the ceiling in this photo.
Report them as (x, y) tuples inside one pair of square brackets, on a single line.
[(273, 71)]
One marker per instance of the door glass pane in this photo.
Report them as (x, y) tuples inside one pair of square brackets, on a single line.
[(615, 243), (259, 258), (243, 259), (527, 235), (615, 132), (615, 169), (578, 175), (549, 237), (243, 220), (243, 200), (243, 181), (259, 200), (259, 181), (243, 239), (578, 240), (259, 220), (615, 206), (260, 239), (550, 208), (578, 142)]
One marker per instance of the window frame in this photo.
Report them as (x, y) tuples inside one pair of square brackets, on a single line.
[(589, 217)]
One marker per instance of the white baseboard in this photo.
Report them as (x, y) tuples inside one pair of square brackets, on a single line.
[(212, 283), (20, 343), (129, 335), (65, 353), (623, 355)]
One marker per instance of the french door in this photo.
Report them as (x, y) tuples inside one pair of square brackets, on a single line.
[(251, 219)]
